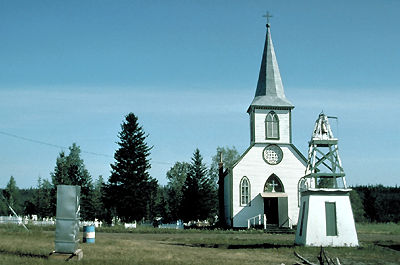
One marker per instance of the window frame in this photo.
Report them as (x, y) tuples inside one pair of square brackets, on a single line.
[(273, 176), (272, 126), (331, 224), (244, 199)]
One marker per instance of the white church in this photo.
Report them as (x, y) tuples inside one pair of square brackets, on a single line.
[(264, 181)]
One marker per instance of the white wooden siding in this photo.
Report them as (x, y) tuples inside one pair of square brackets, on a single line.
[(314, 223), (284, 126), (253, 166)]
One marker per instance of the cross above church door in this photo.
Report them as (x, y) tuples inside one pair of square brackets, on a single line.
[(273, 184)]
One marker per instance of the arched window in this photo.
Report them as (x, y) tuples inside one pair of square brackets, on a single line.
[(273, 184), (244, 191), (272, 126)]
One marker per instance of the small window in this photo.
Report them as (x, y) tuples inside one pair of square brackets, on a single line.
[(330, 215), (273, 184), (244, 191), (272, 126)]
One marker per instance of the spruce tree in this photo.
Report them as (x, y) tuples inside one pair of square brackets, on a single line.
[(11, 194), (44, 198), (70, 170), (98, 205), (130, 186), (162, 206), (199, 194)]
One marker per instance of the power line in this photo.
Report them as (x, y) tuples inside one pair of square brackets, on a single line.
[(32, 140), (64, 148), (49, 144)]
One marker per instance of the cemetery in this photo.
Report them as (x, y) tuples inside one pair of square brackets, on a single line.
[(282, 224), (270, 204)]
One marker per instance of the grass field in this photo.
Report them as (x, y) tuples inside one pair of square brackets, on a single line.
[(380, 244)]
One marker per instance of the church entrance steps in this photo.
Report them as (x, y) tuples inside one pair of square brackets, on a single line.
[(274, 229)]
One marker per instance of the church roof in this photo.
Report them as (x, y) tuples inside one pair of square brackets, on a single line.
[(270, 91)]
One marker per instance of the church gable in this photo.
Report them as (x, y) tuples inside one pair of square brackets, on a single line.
[(253, 166), (243, 159), (264, 179)]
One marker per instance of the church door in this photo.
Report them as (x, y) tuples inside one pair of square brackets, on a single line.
[(271, 210)]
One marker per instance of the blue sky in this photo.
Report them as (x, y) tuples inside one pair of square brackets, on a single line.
[(71, 70)]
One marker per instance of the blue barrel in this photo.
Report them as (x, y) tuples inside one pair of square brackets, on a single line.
[(88, 234)]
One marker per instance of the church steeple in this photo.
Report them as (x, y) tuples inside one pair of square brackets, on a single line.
[(270, 111), (269, 92)]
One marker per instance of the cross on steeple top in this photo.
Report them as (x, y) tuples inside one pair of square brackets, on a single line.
[(268, 16)]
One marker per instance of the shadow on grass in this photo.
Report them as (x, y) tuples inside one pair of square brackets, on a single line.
[(231, 246), (20, 254), (264, 245), (394, 246)]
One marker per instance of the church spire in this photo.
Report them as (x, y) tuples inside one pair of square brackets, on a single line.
[(269, 87)]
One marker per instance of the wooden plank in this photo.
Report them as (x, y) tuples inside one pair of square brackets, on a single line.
[(78, 255)]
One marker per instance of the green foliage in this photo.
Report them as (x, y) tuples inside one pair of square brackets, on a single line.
[(43, 199), (176, 179), (199, 194), (99, 211), (27, 199), (229, 157), (12, 197), (70, 170), (381, 204), (3, 205), (162, 208), (153, 203), (130, 188), (357, 207)]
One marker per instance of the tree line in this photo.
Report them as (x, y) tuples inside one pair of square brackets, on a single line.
[(376, 203), (131, 194)]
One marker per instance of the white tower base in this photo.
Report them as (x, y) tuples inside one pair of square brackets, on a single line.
[(326, 219)]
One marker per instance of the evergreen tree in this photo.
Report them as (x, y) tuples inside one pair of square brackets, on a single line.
[(107, 200), (3, 204), (199, 194), (29, 207), (176, 179), (28, 200), (70, 170), (130, 186), (162, 205), (11, 194), (357, 207), (152, 206), (99, 208), (43, 199), (60, 174)]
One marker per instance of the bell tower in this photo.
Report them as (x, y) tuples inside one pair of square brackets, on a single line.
[(270, 110), (324, 187)]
